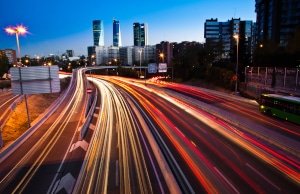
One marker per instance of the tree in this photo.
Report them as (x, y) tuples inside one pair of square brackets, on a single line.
[(293, 48), (4, 64), (264, 53)]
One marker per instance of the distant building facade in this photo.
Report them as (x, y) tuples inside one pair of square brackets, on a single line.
[(11, 55), (126, 54), (70, 53), (277, 19), (140, 34), (220, 37), (164, 52), (116, 34), (98, 33)]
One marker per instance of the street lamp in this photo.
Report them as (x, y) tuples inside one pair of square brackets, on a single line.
[(162, 57), (92, 60), (236, 37), (17, 30), (140, 51)]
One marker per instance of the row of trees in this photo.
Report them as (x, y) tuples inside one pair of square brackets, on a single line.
[(269, 54), (4, 64), (197, 62)]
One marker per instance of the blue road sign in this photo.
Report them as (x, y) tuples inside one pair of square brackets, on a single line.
[(152, 68)]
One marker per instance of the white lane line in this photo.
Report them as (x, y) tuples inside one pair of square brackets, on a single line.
[(92, 126), (117, 173), (198, 127), (279, 189), (227, 181), (179, 131), (175, 110)]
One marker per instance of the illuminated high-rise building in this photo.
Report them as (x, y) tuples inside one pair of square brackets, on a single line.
[(116, 33), (140, 34), (98, 33)]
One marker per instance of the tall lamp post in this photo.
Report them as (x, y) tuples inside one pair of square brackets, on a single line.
[(140, 51), (236, 37), (17, 30)]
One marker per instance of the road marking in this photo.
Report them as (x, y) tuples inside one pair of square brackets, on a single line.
[(92, 126), (227, 181), (117, 173), (180, 132), (175, 110), (83, 144), (67, 183), (198, 127), (279, 189), (193, 143)]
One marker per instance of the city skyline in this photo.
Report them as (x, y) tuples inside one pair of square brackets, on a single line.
[(60, 26)]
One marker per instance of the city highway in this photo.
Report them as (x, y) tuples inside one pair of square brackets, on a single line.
[(149, 138), (248, 111), (117, 155), (45, 161), (121, 158), (7, 100), (214, 154)]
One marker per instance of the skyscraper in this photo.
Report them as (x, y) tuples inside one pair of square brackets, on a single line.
[(116, 33), (220, 37), (140, 34), (98, 33), (276, 19)]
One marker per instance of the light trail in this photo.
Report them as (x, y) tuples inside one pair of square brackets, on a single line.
[(283, 164), (115, 117)]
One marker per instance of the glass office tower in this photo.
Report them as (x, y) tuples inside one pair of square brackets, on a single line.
[(98, 33), (140, 34), (116, 33)]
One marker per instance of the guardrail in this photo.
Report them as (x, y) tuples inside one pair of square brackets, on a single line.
[(89, 116), (35, 125), (274, 138)]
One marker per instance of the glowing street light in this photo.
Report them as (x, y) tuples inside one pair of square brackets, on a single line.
[(162, 56), (19, 29), (236, 37)]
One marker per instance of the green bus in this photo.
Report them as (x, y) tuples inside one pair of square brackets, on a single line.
[(284, 107)]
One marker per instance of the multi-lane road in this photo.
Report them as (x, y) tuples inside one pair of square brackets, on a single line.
[(149, 137), (218, 155)]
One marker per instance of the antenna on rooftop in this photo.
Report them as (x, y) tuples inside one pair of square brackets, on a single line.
[(234, 13)]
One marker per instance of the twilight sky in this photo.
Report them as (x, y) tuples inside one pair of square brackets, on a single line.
[(58, 25)]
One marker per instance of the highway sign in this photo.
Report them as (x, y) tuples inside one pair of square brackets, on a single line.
[(35, 79), (152, 68), (89, 90), (162, 67)]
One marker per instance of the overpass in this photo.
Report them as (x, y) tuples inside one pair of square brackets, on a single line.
[(126, 67)]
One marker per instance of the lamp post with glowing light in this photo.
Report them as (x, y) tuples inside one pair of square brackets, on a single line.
[(236, 37), (162, 57), (17, 30), (140, 51)]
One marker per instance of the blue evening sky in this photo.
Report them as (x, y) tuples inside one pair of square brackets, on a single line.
[(59, 25)]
